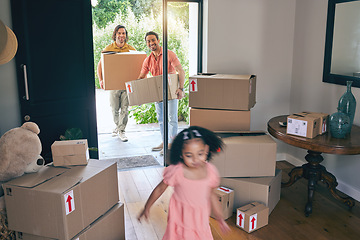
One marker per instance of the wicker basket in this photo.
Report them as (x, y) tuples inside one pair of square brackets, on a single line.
[(5, 233)]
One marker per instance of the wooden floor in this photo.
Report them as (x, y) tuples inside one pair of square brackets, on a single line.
[(330, 218)]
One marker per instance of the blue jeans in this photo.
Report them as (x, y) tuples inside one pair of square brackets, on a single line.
[(172, 117)]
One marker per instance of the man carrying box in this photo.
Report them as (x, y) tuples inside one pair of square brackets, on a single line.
[(153, 63), (118, 98)]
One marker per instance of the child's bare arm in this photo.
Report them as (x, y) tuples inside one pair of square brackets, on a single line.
[(156, 193), (216, 207)]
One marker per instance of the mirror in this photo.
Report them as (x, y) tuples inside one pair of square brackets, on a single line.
[(342, 46)]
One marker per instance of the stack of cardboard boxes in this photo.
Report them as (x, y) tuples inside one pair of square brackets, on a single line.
[(66, 202), (247, 165), (221, 102)]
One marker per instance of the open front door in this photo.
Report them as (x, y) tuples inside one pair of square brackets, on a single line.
[(55, 68)]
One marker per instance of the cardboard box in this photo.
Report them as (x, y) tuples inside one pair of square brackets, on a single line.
[(148, 90), (219, 91), (70, 152), (265, 190), (324, 121), (118, 68), (252, 217), (226, 199), (59, 202), (220, 120), (109, 226), (303, 124), (251, 154)]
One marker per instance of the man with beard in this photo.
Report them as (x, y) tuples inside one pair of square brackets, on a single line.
[(153, 64), (118, 98)]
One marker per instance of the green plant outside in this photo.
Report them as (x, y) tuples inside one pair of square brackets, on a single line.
[(137, 27)]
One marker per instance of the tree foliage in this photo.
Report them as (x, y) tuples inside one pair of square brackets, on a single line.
[(145, 7), (106, 10)]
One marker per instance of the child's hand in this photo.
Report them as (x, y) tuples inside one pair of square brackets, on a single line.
[(156, 193), (224, 226), (144, 213)]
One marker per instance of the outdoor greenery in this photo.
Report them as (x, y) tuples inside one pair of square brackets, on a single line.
[(139, 17)]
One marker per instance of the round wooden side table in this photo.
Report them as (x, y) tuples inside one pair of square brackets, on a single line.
[(313, 171)]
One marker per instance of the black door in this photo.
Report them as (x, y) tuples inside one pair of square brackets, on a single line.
[(55, 68)]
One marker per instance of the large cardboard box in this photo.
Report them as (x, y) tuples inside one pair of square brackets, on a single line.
[(59, 202), (110, 226), (118, 68), (303, 125), (251, 154), (265, 190), (252, 217), (70, 152), (148, 90), (220, 120), (220, 91), (324, 121), (226, 199)]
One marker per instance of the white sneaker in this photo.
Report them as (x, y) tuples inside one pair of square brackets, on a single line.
[(115, 132), (122, 136)]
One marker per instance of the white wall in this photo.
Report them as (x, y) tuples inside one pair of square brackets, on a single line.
[(254, 37), (282, 42), (9, 103)]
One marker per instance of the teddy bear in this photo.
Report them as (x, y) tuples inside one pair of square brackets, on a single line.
[(20, 150)]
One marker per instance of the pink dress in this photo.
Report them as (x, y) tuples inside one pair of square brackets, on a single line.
[(189, 207)]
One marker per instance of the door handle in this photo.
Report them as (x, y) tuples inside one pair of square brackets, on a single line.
[(25, 82)]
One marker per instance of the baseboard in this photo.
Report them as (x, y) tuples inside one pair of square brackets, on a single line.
[(343, 187), (348, 190), (289, 158)]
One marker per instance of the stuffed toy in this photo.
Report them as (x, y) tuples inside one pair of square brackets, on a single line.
[(20, 150)]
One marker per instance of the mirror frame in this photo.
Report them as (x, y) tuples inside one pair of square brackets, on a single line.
[(327, 75)]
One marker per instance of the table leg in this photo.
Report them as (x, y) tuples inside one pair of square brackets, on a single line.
[(331, 182), (295, 174), (313, 174), (313, 171), (311, 191)]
